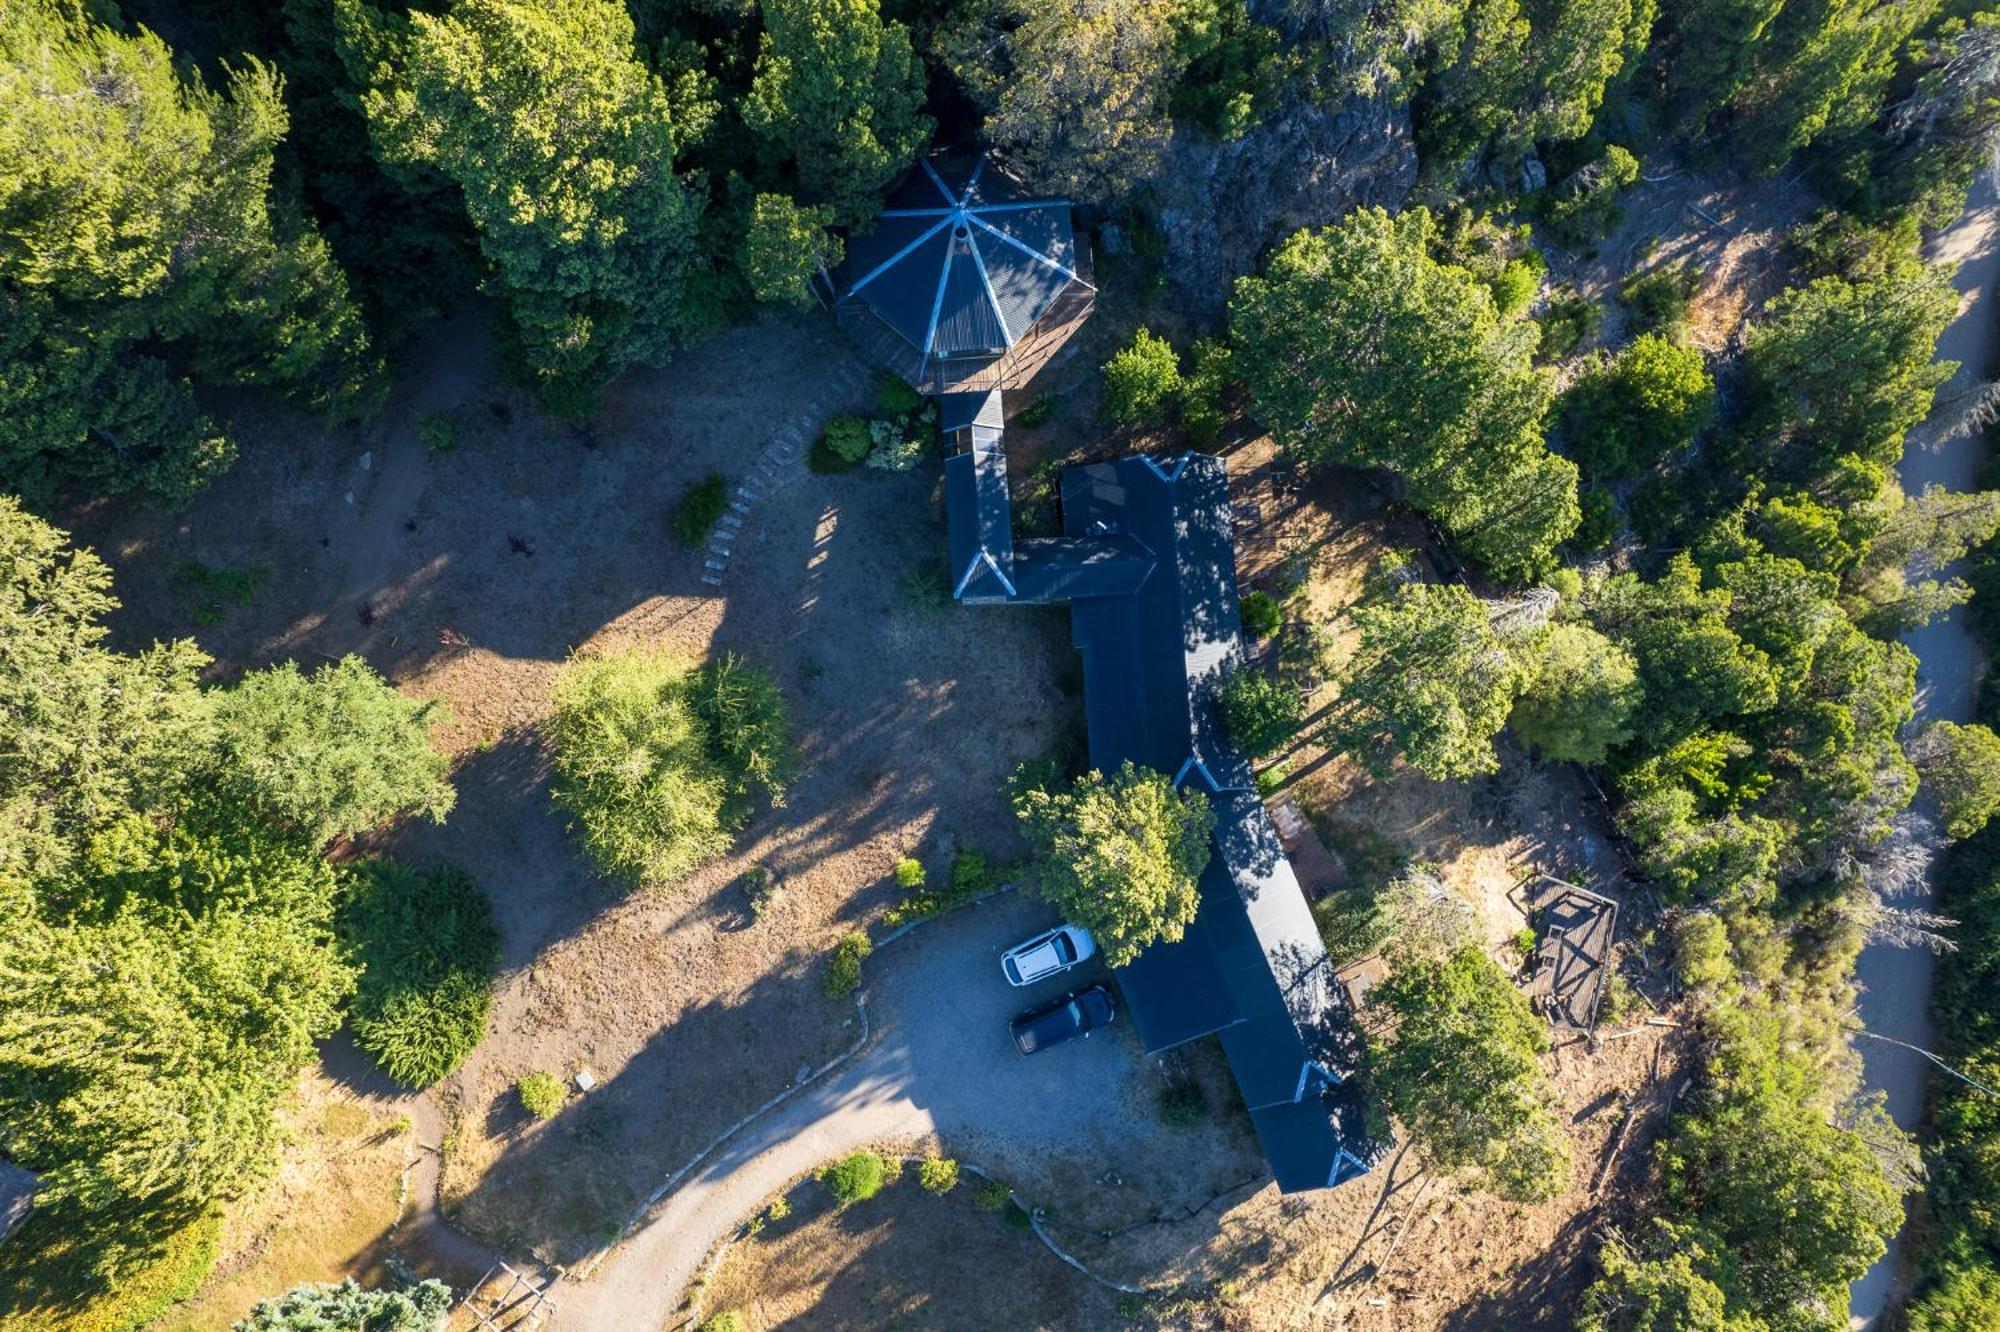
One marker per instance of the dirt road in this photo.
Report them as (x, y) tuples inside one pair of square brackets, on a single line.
[(1896, 982)]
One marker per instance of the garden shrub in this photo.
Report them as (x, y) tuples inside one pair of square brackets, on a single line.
[(438, 432), (854, 1178), (542, 1094), (897, 398), (1038, 412), (428, 948), (842, 445), (1142, 380), (925, 591), (700, 509), (1262, 614), (843, 968), (1183, 1105), (991, 1195), (1203, 389), (894, 446), (1350, 924), (970, 877), (909, 873), (727, 1320), (748, 731), (1631, 411), (938, 1174)]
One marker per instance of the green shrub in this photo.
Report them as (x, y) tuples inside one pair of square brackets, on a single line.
[(842, 444), (925, 591), (1967, 1299), (1038, 412), (1350, 924), (1585, 205), (542, 1094), (897, 398), (938, 1174), (1629, 412), (1568, 320), (728, 1320), (1515, 286), (700, 509), (1601, 520), (843, 967), (1259, 713), (337, 1307), (428, 947), (854, 1178), (1203, 390), (895, 447), (909, 873), (1142, 380), (1262, 614), (1183, 1105), (438, 431), (970, 877), (1658, 300), (53, 1260), (991, 1195), (743, 714)]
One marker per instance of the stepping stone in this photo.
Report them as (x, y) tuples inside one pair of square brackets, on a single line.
[(711, 580), (716, 565)]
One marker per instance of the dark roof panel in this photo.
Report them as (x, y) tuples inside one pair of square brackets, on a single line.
[(1077, 568), (968, 324)]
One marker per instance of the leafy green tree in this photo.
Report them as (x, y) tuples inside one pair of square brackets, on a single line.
[(1894, 584), (141, 254), (1579, 694), (347, 1307), (1122, 856), (427, 947), (1966, 1300), (1847, 365), (1824, 69), (1430, 681), (785, 247), (1691, 662), (1141, 380), (1961, 765), (563, 147), (1359, 348), (1632, 410), (1712, 53), (333, 753), (1259, 713), (1664, 1287), (1460, 1066), (1945, 130), (839, 94), (1515, 75), (1076, 91)]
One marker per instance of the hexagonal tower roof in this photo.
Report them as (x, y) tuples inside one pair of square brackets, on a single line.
[(966, 283)]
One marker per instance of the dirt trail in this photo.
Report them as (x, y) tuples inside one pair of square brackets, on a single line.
[(1896, 982)]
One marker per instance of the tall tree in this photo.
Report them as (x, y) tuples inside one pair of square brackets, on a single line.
[(1460, 1065), (346, 1307), (1120, 855), (141, 253), (1430, 681), (1075, 90), (1961, 765), (1360, 349), (838, 94), (1579, 694), (563, 146)]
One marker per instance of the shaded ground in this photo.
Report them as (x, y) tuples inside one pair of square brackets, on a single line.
[(903, 1259)]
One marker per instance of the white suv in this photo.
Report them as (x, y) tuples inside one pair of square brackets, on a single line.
[(1047, 954)]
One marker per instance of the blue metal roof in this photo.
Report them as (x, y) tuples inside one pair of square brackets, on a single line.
[(961, 263)]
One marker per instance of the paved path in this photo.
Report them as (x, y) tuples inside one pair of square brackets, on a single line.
[(940, 1062), (1896, 982)]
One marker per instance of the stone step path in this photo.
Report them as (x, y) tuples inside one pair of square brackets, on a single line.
[(774, 466)]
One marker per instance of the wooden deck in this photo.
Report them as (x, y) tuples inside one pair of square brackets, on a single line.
[(1022, 362), (1572, 952)]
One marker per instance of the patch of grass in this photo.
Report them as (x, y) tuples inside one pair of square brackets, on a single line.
[(542, 1094), (428, 946), (214, 591), (438, 431), (1569, 319), (1371, 858), (52, 1284), (854, 1178), (1350, 924), (938, 1174), (843, 965), (991, 1195), (700, 508)]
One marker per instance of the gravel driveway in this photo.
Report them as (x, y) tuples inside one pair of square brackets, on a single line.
[(941, 1062)]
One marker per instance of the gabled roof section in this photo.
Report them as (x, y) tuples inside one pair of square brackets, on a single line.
[(962, 263)]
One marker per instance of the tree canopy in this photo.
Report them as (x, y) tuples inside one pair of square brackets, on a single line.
[(1121, 855), (1359, 348)]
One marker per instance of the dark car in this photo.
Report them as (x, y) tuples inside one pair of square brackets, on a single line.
[(1075, 1014)]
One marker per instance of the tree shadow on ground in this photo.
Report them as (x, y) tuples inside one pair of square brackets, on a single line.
[(1542, 1293)]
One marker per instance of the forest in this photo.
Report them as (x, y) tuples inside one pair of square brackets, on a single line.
[(204, 199)]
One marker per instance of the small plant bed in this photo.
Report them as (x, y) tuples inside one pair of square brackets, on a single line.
[(909, 1256), (896, 440), (970, 877)]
